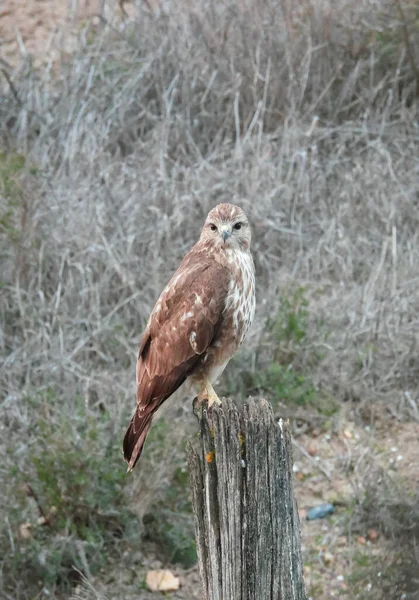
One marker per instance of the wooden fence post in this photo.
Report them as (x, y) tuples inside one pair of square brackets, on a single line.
[(246, 520)]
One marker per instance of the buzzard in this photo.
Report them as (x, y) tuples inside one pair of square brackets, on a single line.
[(198, 323)]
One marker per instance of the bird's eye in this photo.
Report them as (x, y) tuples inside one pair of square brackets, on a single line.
[(238, 226), (213, 227)]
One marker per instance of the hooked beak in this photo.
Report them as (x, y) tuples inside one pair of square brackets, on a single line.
[(225, 234)]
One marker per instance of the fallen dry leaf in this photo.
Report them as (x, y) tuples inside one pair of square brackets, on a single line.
[(162, 581), (25, 530)]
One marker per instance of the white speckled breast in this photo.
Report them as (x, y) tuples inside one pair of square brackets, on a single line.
[(241, 300)]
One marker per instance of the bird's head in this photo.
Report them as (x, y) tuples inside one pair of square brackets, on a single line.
[(226, 226)]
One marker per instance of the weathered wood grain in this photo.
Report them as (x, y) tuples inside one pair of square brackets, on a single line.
[(246, 519)]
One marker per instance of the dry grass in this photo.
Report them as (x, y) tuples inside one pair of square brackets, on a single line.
[(391, 507), (304, 113)]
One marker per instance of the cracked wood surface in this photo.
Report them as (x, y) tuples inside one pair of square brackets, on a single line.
[(246, 519)]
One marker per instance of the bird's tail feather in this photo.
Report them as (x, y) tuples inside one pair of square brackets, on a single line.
[(135, 437)]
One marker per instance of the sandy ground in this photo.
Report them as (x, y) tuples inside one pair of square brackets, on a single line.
[(343, 556), (333, 467), (41, 27)]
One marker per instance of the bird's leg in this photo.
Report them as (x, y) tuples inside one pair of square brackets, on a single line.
[(207, 392)]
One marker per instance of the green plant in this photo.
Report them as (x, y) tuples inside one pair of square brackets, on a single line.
[(11, 166), (170, 524), (286, 376), (70, 510), (288, 329), (282, 384), (362, 559), (285, 384), (398, 37)]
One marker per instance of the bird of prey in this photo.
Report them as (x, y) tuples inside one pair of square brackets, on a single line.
[(198, 323)]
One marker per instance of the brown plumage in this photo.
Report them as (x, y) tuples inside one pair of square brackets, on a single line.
[(198, 322)]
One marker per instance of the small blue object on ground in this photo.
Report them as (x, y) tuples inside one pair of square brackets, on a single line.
[(319, 512)]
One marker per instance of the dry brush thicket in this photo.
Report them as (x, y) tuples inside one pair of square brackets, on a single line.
[(304, 113)]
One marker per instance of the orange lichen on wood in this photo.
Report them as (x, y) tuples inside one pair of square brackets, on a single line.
[(209, 457)]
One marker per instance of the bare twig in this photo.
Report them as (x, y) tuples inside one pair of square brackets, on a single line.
[(315, 463)]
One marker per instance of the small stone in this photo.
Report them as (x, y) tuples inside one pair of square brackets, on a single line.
[(361, 540), (319, 512), (372, 535), (162, 581), (347, 434), (137, 557), (25, 530), (312, 449)]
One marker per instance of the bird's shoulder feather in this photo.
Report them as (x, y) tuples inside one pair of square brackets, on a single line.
[(182, 325)]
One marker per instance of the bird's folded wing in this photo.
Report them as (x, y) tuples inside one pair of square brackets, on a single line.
[(181, 327)]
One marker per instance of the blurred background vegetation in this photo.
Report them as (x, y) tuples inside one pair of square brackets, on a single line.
[(111, 154)]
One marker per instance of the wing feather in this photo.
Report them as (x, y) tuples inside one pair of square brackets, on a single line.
[(184, 320), (181, 327)]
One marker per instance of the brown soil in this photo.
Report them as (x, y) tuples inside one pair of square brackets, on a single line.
[(340, 549), (343, 555), (40, 27)]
